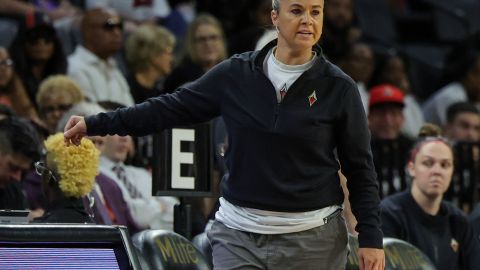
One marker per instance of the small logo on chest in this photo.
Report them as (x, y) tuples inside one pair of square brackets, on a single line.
[(454, 244), (312, 98)]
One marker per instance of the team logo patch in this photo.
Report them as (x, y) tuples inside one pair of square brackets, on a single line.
[(312, 98)]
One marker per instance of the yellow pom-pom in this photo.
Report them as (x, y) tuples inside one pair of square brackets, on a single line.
[(77, 166)]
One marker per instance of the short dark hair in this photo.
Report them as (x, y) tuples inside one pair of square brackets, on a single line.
[(460, 107), (17, 136), (459, 61)]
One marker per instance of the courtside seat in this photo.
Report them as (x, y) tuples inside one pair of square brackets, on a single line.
[(202, 243), (163, 250), (399, 255)]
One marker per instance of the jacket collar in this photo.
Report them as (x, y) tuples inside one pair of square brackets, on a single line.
[(317, 67), (260, 56)]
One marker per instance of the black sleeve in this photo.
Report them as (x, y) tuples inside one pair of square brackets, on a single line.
[(357, 165), (196, 102)]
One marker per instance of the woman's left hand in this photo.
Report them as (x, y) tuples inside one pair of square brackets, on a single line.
[(371, 259)]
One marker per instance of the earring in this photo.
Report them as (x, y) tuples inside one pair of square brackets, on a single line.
[(276, 28)]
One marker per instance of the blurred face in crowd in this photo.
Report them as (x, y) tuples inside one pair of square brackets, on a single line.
[(53, 108), (339, 13), (262, 13), (431, 169), (464, 127), (300, 23), (12, 167), (116, 148), (102, 30), (163, 62), (473, 82), (208, 44), (6, 67), (360, 63), (40, 46), (395, 73), (386, 121)]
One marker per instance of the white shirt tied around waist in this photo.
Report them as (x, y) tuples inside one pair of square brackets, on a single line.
[(271, 222)]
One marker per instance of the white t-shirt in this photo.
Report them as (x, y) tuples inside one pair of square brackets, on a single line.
[(282, 75)]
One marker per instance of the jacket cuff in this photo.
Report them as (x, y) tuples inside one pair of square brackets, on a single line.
[(371, 239)]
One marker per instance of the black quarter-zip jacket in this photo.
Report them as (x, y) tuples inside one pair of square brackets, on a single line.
[(281, 156)]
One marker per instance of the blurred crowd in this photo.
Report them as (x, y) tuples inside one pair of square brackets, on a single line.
[(414, 62)]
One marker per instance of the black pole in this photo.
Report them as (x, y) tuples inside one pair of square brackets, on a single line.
[(182, 219)]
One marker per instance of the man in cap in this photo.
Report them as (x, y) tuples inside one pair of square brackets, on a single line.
[(390, 147)]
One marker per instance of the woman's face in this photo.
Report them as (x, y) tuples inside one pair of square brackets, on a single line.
[(209, 44), (6, 68), (40, 48), (163, 61), (360, 63), (396, 74), (53, 109), (300, 23), (432, 169)]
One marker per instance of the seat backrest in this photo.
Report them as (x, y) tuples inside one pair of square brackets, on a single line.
[(163, 249), (202, 243), (402, 255), (390, 158), (398, 255)]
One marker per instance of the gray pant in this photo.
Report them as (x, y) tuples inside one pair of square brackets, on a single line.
[(324, 247)]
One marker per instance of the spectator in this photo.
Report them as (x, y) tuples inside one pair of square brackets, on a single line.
[(385, 116), (389, 145), (359, 63), (463, 77), (149, 53), (12, 91), (463, 122), (204, 47), (37, 53), (259, 17), (92, 65), (136, 185), (421, 217), (339, 30), (463, 128), (19, 147), (55, 96), (392, 69), (67, 175)]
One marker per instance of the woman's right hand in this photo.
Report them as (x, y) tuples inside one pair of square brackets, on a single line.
[(75, 130)]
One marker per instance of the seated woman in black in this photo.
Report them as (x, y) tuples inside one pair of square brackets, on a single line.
[(421, 216), (68, 174)]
